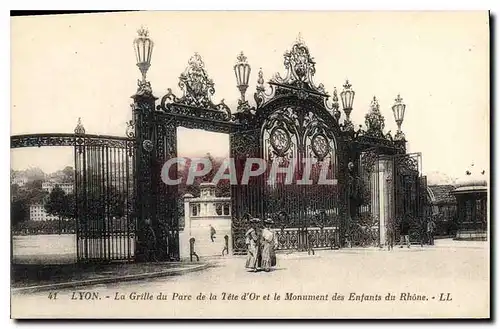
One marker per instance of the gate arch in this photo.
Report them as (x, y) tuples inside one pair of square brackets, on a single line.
[(298, 128)]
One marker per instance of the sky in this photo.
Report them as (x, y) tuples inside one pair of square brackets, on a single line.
[(71, 66)]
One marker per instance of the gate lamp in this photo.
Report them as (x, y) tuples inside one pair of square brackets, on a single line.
[(143, 47), (242, 71), (398, 109), (347, 96)]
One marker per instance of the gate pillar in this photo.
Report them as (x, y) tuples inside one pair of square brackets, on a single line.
[(144, 210)]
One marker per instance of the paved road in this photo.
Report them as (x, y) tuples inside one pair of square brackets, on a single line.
[(458, 268)]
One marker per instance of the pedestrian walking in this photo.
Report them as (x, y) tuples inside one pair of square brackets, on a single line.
[(269, 243), (390, 235), (212, 233), (252, 243), (405, 233), (431, 228)]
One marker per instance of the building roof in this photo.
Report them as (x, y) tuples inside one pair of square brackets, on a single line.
[(441, 193), (480, 187)]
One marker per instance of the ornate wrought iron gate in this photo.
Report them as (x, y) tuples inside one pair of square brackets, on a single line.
[(104, 190), (410, 188), (125, 211), (365, 200), (304, 201), (300, 131)]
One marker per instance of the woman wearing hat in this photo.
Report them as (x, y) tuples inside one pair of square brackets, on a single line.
[(252, 242), (268, 242)]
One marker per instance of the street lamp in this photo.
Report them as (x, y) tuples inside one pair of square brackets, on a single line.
[(242, 71), (347, 96), (398, 109), (143, 47)]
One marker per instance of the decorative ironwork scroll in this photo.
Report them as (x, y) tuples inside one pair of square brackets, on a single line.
[(198, 90), (374, 120), (300, 68), (368, 160)]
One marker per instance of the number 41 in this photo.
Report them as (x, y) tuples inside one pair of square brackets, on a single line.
[(52, 295)]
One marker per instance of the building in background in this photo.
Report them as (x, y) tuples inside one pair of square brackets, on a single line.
[(19, 180), (443, 209), (207, 219), (471, 194), (38, 213), (66, 187)]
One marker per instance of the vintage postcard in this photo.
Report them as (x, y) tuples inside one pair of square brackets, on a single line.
[(180, 165)]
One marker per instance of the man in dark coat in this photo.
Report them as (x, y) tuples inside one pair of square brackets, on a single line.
[(431, 228), (405, 233), (212, 233)]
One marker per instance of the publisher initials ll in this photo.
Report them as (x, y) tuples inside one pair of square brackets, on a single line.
[(445, 297)]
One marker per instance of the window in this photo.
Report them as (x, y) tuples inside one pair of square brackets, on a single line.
[(226, 209), (218, 209), (194, 210)]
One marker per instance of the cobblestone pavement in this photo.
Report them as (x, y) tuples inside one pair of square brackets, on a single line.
[(416, 277)]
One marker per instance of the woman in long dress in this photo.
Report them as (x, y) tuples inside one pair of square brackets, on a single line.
[(252, 242), (268, 242)]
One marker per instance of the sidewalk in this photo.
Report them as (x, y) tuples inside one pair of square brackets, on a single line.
[(450, 243), (29, 278)]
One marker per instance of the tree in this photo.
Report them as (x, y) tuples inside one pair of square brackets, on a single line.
[(57, 204), (34, 185), (21, 198), (34, 174), (68, 174), (19, 212), (14, 191)]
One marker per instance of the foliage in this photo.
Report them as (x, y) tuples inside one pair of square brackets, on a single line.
[(21, 198), (58, 203), (34, 173), (45, 227), (19, 212), (68, 174)]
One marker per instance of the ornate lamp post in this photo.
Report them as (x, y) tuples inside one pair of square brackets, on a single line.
[(347, 96), (141, 127), (143, 47), (242, 71), (398, 109)]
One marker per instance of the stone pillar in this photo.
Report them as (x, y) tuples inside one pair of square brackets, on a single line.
[(187, 214), (382, 202), (374, 191), (386, 198)]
